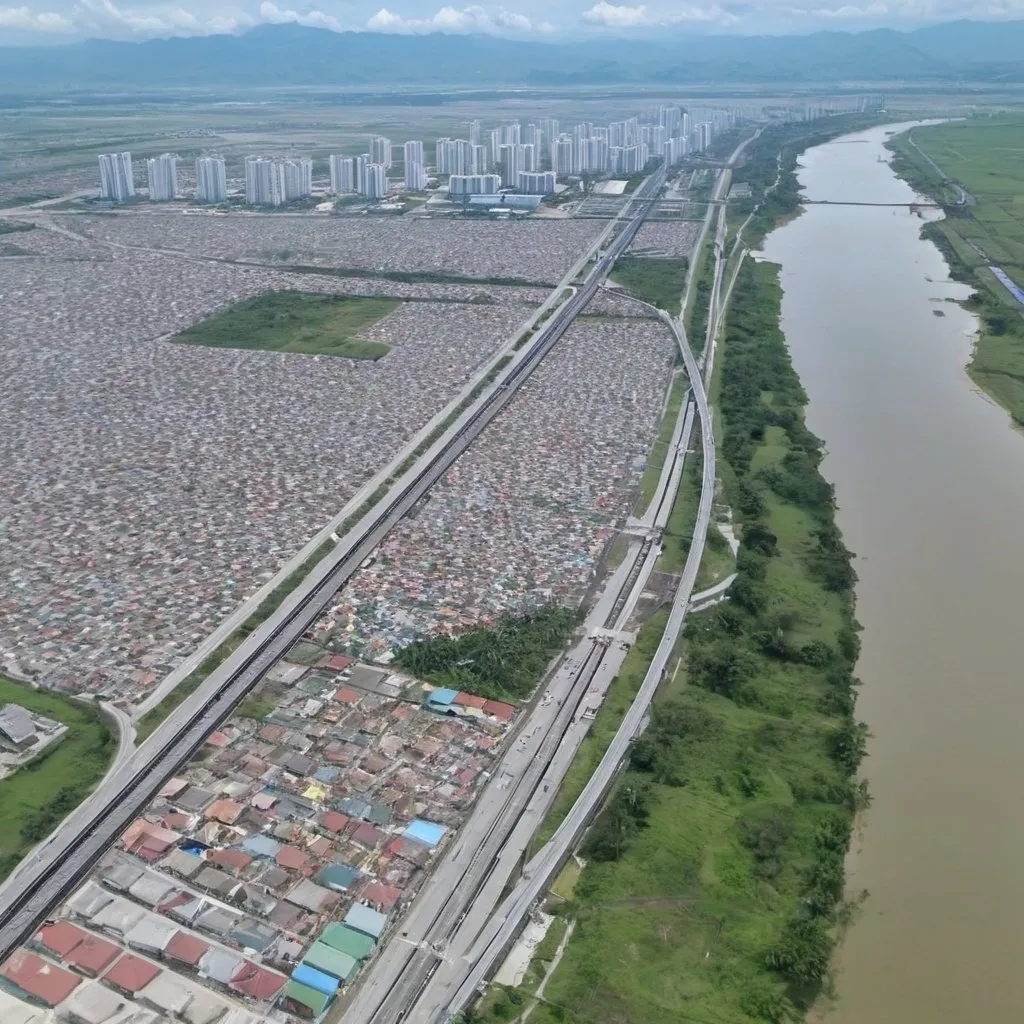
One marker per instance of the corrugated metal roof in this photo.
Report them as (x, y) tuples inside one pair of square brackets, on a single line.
[(366, 919), (331, 961), (306, 975), (340, 936)]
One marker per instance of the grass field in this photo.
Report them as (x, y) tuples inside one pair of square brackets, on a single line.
[(658, 281), (35, 798), (297, 322), (659, 449), (986, 157), (715, 869)]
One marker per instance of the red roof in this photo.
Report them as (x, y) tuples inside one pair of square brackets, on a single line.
[(234, 859), (257, 982), (347, 696), (218, 739), (339, 662), (468, 700), (131, 973), (39, 978), (93, 955), (291, 857), (225, 811), (148, 840), (333, 821), (186, 948), (498, 709), (384, 897), (368, 835), (60, 937)]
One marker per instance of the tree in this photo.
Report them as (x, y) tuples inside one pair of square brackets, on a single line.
[(802, 953)]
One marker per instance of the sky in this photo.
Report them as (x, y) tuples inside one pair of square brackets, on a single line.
[(53, 21)]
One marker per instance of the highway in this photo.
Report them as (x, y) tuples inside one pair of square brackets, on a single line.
[(443, 978), (468, 882), (68, 855), (238, 616)]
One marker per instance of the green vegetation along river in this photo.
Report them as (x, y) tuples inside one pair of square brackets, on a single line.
[(929, 478)]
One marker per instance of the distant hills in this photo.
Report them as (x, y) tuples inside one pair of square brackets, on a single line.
[(291, 55)]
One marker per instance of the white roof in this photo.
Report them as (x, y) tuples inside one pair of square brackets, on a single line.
[(91, 1003), (91, 898), (118, 916), (167, 993), (14, 1011), (16, 723)]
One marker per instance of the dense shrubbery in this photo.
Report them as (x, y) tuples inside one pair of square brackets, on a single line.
[(503, 663), (788, 781)]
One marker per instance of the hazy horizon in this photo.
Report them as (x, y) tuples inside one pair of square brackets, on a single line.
[(37, 22)]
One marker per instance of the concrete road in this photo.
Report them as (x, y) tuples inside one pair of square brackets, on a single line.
[(454, 981), (235, 619), (67, 856)]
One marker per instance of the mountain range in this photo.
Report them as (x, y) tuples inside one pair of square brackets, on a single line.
[(292, 55)]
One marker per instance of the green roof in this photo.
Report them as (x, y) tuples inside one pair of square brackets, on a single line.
[(348, 940), (331, 961), (306, 996)]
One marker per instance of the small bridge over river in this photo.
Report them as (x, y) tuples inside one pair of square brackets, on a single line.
[(851, 202)]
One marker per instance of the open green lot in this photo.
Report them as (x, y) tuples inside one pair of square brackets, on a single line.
[(296, 322), (38, 795), (986, 157), (656, 280)]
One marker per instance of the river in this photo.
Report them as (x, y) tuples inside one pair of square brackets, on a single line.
[(929, 477)]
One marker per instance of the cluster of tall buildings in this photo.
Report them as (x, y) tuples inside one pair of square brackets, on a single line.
[(272, 181), (533, 156), (530, 158)]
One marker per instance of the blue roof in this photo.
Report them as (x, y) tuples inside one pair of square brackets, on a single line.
[(442, 695), (326, 774), (425, 832), (366, 920), (261, 846), (306, 975)]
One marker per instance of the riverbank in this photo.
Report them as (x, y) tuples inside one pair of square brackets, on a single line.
[(981, 230), (714, 874)]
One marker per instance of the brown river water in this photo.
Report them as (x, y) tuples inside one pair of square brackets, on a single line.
[(929, 476)]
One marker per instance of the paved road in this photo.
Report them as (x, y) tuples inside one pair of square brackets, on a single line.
[(235, 619), (471, 875), (92, 828), (455, 982)]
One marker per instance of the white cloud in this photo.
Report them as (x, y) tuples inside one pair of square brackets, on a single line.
[(617, 15), (272, 14), (456, 21), (46, 21), (847, 12), (105, 19), (612, 15)]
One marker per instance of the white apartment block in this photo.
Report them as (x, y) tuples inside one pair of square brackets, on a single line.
[(537, 183), (275, 182), (375, 181), (211, 180), (162, 174), (343, 174), (473, 185), (415, 172), (117, 180), (380, 151)]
